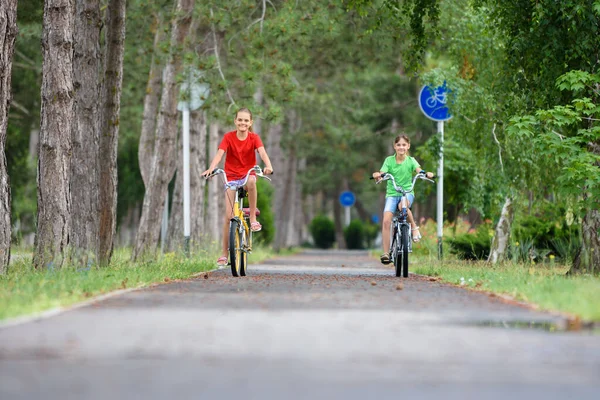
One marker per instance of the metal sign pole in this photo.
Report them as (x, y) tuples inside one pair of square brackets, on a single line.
[(186, 180), (440, 191)]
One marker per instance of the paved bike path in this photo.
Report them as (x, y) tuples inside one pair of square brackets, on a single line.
[(313, 325)]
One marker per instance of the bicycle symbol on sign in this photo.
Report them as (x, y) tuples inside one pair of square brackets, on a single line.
[(438, 97)]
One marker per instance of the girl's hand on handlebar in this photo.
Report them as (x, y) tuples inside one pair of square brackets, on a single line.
[(268, 171), (207, 173)]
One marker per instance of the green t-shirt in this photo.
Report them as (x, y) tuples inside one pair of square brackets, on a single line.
[(402, 173)]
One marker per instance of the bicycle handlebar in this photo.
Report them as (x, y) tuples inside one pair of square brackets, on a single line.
[(387, 176), (256, 169)]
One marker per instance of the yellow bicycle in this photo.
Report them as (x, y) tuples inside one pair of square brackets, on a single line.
[(240, 234)]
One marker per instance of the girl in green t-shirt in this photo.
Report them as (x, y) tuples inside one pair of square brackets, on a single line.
[(402, 167)]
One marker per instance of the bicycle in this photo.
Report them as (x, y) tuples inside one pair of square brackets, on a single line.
[(240, 234), (400, 230)]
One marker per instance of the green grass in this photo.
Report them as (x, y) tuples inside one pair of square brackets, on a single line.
[(25, 291), (544, 285)]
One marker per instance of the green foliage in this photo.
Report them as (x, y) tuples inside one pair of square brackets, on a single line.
[(472, 246), (566, 139), (265, 205), (322, 230)]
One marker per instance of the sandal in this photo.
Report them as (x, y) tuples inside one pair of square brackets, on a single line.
[(416, 234), (385, 258), (222, 261), (255, 226)]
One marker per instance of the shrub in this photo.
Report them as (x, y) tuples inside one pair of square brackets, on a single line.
[(472, 246), (322, 230), (263, 203), (355, 235)]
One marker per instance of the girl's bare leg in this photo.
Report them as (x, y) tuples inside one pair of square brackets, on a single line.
[(229, 198), (252, 197), (385, 230)]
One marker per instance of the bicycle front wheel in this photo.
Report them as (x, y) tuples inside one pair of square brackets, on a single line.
[(398, 252), (235, 248), (404, 250)]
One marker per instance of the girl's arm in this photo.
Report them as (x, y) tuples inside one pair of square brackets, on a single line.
[(427, 174), (214, 162), (265, 157)]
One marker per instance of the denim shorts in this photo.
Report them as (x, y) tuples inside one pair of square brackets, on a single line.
[(391, 203), (233, 184)]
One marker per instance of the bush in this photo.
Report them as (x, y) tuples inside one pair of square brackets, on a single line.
[(547, 230), (354, 234), (472, 246), (322, 230), (266, 219)]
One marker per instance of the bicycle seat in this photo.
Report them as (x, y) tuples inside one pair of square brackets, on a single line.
[(247, 211)]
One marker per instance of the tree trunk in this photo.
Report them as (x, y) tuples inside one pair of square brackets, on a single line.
[(109, 139), (197, 183), (214, 219), (337, 219), (54, 207), (174, 240), (83, 235), (501, 239), (588, 259), (166, 137), (280, 196), (151, 102), (8, 34)]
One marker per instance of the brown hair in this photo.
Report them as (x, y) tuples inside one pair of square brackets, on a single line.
[(399, 137), (243, 109)]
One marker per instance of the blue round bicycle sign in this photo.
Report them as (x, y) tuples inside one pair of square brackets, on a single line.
[(433, 102), (347, 199)]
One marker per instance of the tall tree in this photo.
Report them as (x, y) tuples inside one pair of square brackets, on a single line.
[(54, 206), (151, 103), (83, 237), (8, 34), (109, 137), (165, 147)]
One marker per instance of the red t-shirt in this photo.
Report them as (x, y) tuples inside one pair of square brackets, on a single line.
[(240, 154)]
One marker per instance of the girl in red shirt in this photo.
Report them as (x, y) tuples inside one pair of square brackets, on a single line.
[(241, 146)]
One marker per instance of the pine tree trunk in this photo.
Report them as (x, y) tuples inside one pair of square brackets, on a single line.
[(165, 146), (214, 219), (174, 238), (499, 248), (588, 259), (109, 139), (279, 184), (54, 207), (83, 236), (8, 34), (337, 218), (151, 103), (197, 183)]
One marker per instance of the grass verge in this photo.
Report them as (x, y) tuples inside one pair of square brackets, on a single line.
[(25, 291), (544, 285)]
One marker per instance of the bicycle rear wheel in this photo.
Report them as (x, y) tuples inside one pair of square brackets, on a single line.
[(244, 254), (235, 248), (404, 251), (398, 253)]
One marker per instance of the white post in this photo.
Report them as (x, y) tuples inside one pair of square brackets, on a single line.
[(186, 178), (347, 212), (440, 190)]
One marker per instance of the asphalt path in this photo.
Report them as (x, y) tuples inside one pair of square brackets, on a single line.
[(315, 325)]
